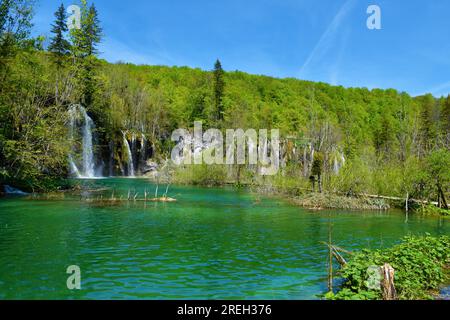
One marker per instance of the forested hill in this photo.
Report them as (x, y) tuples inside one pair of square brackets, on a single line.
[(386, 137), (355, 118)]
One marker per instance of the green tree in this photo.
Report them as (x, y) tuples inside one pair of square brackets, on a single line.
[(15, 25), (446, 120), (85, 41), (219, 86), (384, 135), (428, 125), (438, 170), (317, 168), (59, 46)]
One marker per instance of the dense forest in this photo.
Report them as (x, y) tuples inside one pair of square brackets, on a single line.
[(347, 140)]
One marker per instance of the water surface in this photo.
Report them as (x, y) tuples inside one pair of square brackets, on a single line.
[(211, 244)]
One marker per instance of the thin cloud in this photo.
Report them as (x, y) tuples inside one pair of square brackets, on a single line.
[(335, 69), (327, 39), (440, 90), (114, 50)]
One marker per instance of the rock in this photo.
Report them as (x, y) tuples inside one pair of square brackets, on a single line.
[(14, 191), (444, 294), (150, 166)]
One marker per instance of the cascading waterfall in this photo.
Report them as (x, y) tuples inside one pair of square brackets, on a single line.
[(134, 151), (336, 166), (129, 156), (111, 158), (79, 117), (73, 167), (339, 162), (143, 153)]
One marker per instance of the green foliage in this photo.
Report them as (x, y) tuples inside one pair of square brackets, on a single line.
[(419, 264), (203, 175), (15, 25), (386, 136), (86, 39), (84, 49), (431, 210), (446, 119), (59, 45), (347, 294), (354, 178), (438, 166), (317, 164), (218, 89)]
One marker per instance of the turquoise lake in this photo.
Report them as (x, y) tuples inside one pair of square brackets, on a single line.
[(210, 244)]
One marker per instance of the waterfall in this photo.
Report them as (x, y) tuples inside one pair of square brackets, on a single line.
[(73, 167), (143, 153), (134, 151), (339, 162), (129, 156), (336, 166), (111, 158), (88, 154), (79, 119)]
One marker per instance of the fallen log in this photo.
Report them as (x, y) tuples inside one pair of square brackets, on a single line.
[(163, 199), (375, 196)]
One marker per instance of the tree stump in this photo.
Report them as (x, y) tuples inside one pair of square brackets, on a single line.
[(387, 284)]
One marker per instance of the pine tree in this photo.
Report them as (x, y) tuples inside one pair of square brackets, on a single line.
[(59, 46), (427, 128), (446, 120), (219, 86), (85, 41)]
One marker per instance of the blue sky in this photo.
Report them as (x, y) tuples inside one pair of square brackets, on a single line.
[(320, 40)]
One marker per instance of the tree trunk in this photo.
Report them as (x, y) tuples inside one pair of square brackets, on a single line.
[(319, 180), (313, 183), (442, 197), (387, 284), (238, 175)]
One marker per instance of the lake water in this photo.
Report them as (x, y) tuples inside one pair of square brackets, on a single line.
[(211, 244)]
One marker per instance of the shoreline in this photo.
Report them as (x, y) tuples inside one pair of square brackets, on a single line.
[(296, 196)]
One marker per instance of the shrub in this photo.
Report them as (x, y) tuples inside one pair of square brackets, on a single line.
[(203, 175), (420, 266)]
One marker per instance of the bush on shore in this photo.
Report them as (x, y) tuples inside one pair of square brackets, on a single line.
[(421, 266), (319, 201)]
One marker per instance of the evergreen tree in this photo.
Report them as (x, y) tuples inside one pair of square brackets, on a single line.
[(446, 121), (428, 127), (384, 136), (219, 85), (59, 46), (85, 41), (316, 170)]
